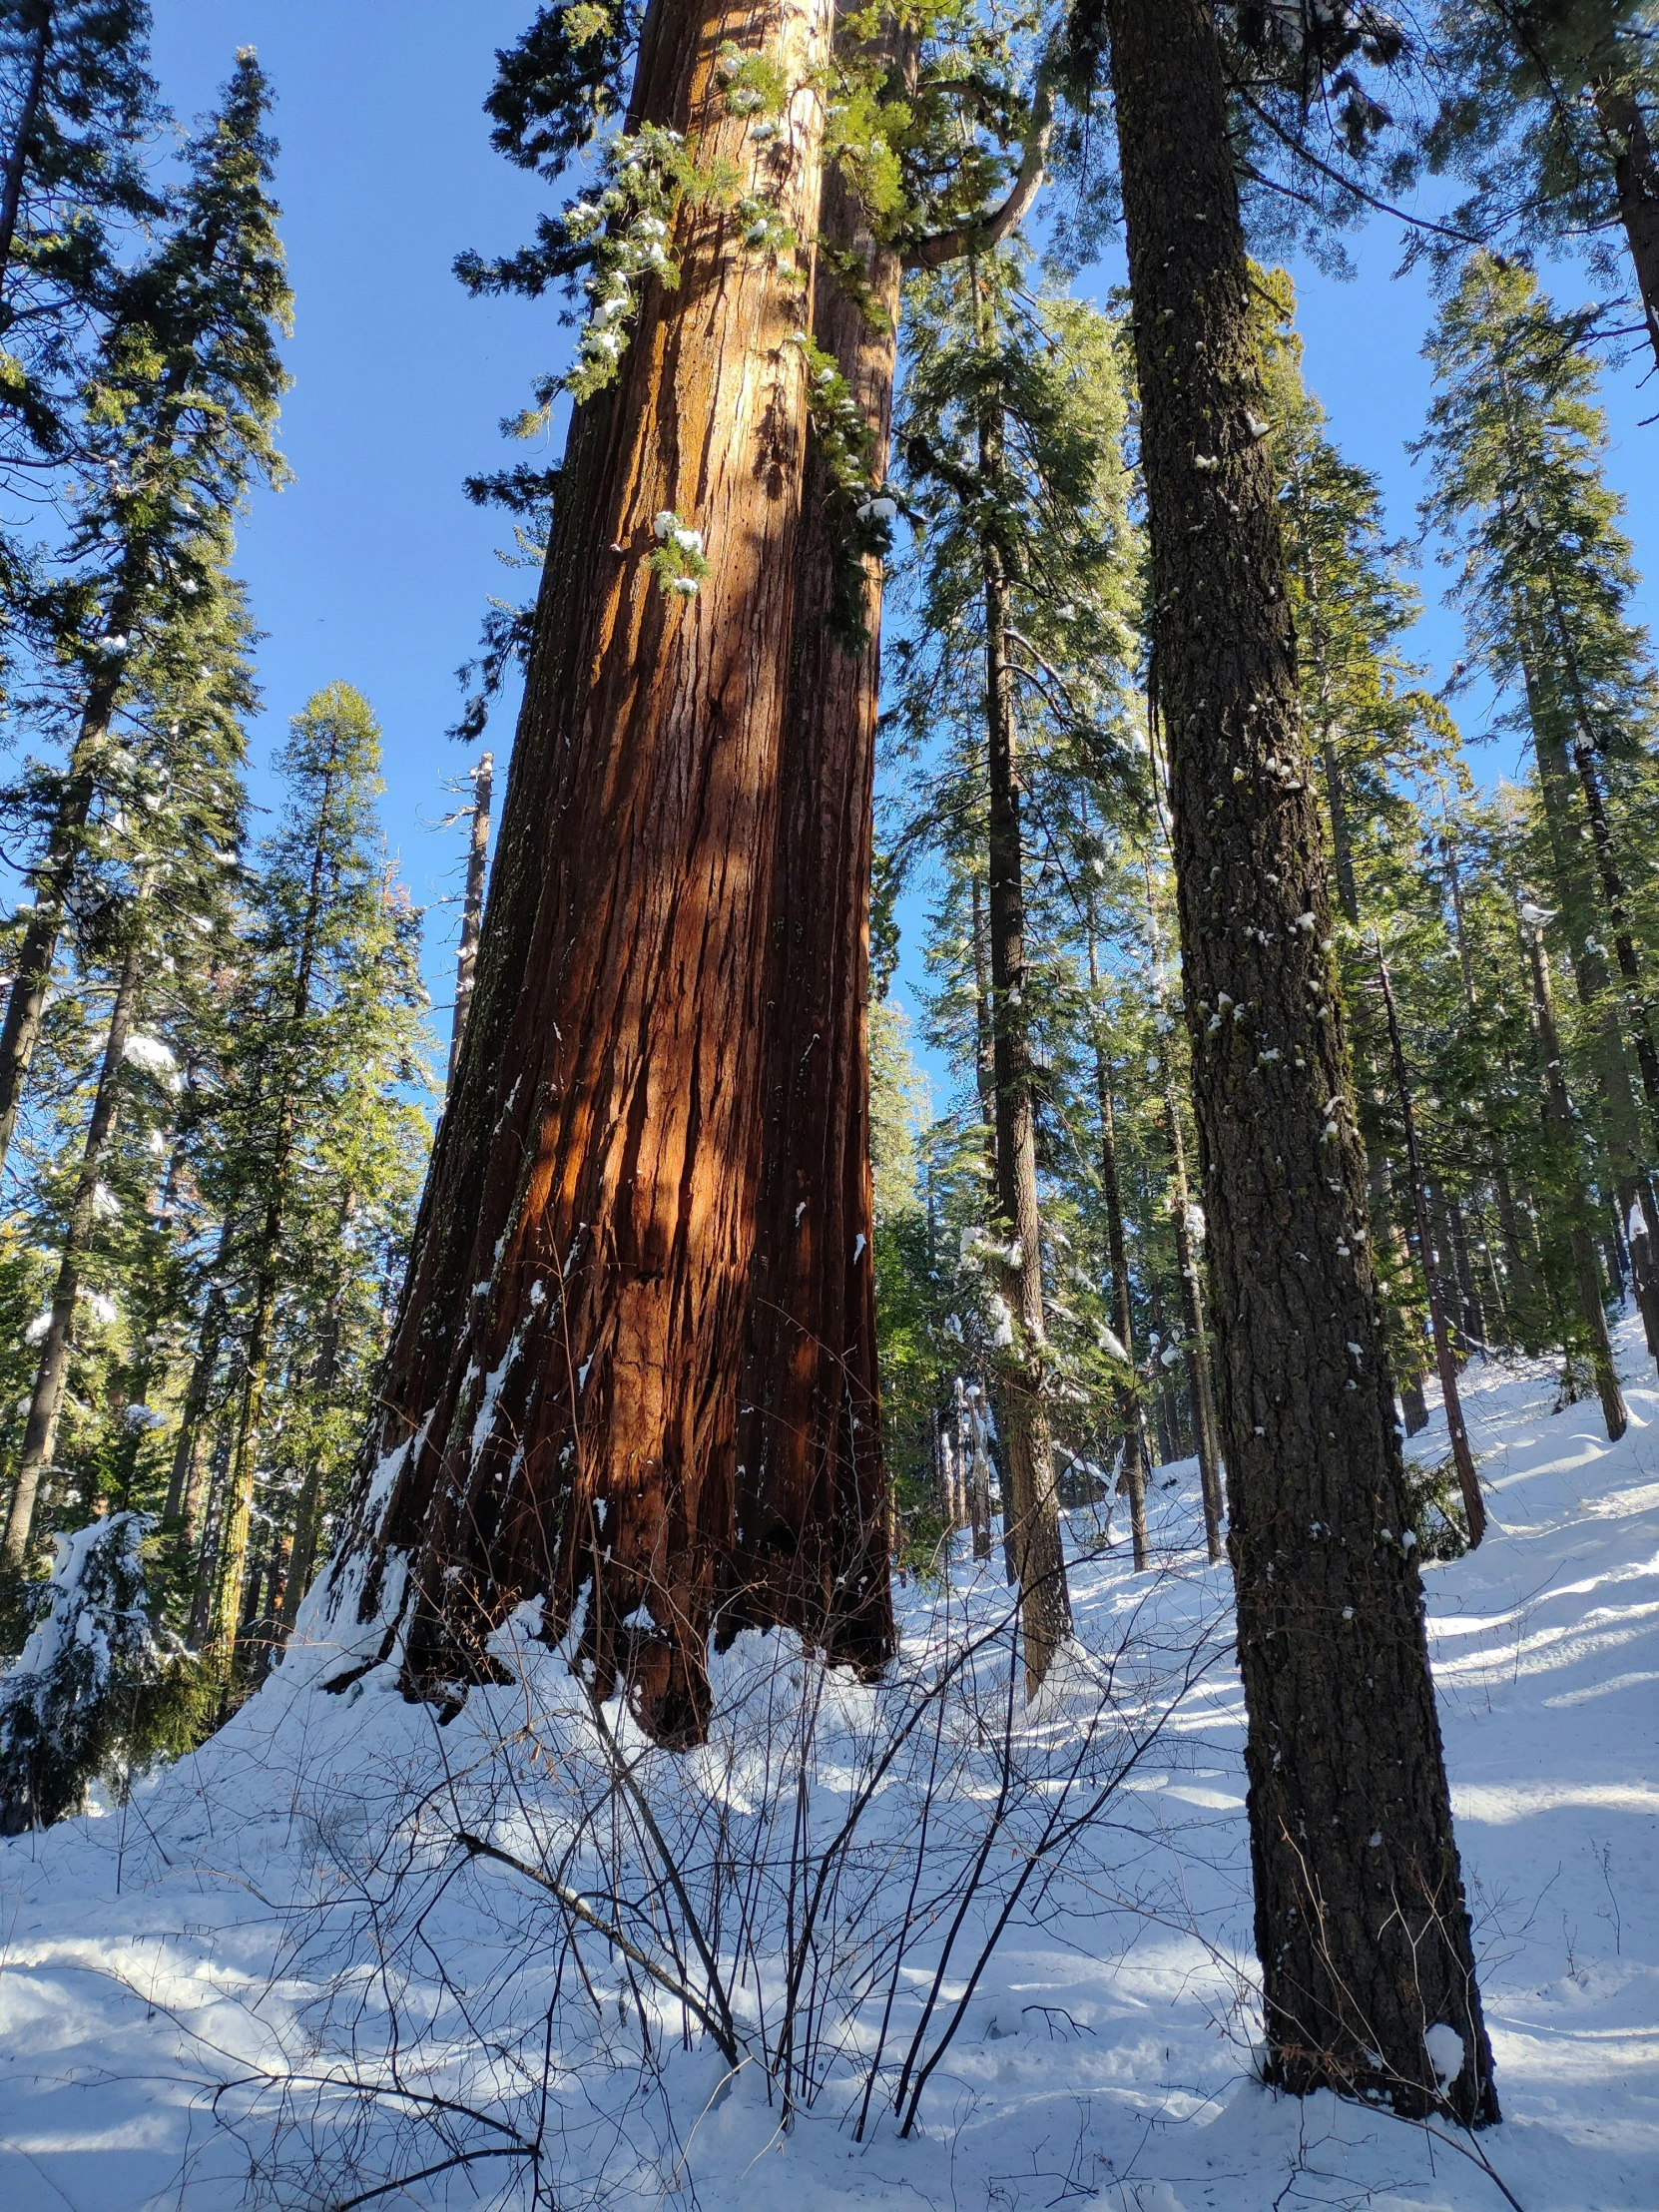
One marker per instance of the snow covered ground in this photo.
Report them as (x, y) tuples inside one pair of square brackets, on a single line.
[(283, 1976)]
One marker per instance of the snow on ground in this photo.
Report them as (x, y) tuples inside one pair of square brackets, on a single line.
[(279, 1976)]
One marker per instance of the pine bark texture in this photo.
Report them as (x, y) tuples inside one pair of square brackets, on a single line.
[(559, 1405), (1360, 1924), (810, 1527)]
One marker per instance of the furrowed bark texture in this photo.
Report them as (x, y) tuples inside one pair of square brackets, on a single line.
[(1360, 1924), (560, 1397), (812, 1535)]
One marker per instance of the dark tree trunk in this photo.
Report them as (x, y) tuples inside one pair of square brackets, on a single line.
[(1186, 1254), (177, 1514), (984, 1068), (1030, 1506), (307, 1512), (811, 1541), (1521, 1282), (1360, 1924), (1471, 1320), (560, 1400), (977, 1473), (1198, 1348), (1636, 184)]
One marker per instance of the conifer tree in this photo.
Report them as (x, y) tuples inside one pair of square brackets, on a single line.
[(1376, 735), (1010, 435), (151, 870), (812, 1478), (1544, 578), (612, 1188), (75, 104), (319, 959), (178, 415), (1545, 108), (1360, 1924)]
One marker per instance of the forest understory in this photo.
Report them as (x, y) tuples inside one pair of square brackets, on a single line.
[(279, 1977)]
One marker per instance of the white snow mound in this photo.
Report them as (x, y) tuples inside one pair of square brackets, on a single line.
[(347, 1955)]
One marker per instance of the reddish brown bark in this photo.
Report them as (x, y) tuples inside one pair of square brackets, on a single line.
[(811, 1541), (560, 1395)]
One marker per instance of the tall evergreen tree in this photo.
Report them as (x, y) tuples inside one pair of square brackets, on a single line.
[(1544, 578), (75, 104), (1545, 109), (178, 418), (151, 882), (1010, 436), (1362, 1928), (321, 957)]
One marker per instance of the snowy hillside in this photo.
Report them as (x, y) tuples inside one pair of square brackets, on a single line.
[(323, 1955)]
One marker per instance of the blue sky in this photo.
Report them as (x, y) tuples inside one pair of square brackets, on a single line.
[(371, 566)]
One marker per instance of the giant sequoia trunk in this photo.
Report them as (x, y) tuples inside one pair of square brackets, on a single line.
[(1360, 1924), (559, 1405), (810, 1530)]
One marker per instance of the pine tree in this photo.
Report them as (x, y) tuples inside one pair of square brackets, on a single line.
[(1544, 579), (319, 962), (1360, 1924), (178, 418), (472, 909), (76, 104), (1380, 739), (1546, 111), (1011, 434), (90, 1651), (151, 872)]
